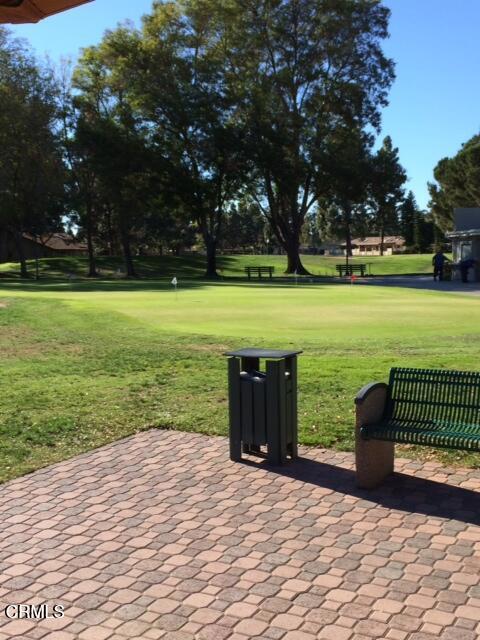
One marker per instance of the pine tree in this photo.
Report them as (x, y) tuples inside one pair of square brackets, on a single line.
[(408, 218)]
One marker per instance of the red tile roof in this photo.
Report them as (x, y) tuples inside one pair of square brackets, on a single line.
[(376, 240), (58, 242)]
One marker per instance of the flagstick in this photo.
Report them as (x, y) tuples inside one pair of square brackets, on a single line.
[(175, 283)]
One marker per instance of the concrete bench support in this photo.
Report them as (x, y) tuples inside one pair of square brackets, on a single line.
[(374, 458)]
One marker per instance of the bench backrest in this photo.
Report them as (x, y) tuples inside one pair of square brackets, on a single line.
[(258, 269), (353, 267), (434, 395)]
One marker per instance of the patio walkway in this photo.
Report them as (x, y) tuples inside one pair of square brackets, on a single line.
[(161, 536)]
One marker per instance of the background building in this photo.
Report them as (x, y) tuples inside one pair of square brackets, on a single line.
[(371, 246), (466, 239), (46, 246)]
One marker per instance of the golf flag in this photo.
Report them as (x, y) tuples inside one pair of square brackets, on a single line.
[(174, 282)]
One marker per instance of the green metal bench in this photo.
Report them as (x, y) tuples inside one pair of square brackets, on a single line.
[(436, 408), (351, 269), (259, 271)]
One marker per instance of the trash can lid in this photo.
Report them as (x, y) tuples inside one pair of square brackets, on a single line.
[(262, 353)]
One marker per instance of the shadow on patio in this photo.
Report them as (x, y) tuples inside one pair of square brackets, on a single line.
[(400, 492)]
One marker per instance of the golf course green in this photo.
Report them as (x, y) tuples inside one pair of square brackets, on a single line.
[(88, 362)]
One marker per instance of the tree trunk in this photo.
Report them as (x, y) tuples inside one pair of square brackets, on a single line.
[(112, 244), (294, 262), (127, 254), (382, 234), (211, 247), (17, 236), (289, 239), (92, 266), (348, 230), (348, 239)]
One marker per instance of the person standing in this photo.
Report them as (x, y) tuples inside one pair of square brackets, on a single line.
[(438, 262)]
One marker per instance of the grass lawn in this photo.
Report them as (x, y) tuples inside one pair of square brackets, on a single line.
[(84, 363), (229, 266)]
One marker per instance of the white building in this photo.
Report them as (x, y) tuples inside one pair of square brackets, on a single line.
[(466, 239)]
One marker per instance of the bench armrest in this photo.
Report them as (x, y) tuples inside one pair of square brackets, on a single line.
[(370, 404), (365, 391)]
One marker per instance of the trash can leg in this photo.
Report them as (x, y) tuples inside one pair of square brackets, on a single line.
[(292, 405), (276, 413), (234, 409)]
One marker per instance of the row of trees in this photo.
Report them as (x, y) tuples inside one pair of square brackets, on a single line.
[(32, 171), (212, 113)]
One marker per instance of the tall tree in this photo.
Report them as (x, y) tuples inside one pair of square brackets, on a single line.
[(388, 178), (244, 227), (115, 136), (180, 83), (82, 183), (457, 183), (409, 213), (347, 183), (425, 233), (306, 68), (31, 168)]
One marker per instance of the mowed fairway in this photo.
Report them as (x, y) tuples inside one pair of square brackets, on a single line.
[(86, 363)]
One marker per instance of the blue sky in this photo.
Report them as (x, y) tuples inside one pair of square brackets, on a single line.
[(434, 102)]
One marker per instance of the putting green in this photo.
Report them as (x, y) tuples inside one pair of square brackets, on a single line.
[(317, 314), (85, 363)]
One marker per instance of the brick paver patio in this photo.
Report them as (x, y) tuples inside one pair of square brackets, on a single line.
[(161, 536)]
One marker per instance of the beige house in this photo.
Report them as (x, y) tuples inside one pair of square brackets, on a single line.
[(370, 246), (54, 245)]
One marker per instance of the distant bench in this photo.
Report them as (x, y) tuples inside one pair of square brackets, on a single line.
[(351, 269), (259, 271)]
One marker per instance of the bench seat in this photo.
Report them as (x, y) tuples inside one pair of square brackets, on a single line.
[(433, 433)]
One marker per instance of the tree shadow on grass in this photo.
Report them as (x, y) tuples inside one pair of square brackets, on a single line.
[(93, 286), (400, 491), (154, 266), (154, 285)]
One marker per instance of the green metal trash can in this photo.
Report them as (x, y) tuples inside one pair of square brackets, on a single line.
[(263, 404)]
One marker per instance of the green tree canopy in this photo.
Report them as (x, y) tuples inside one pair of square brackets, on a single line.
[(113, 137), (180, 83), (457, 183), (386, 189), (409, 213), (31, 167), (305, 68), (343, 210)]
